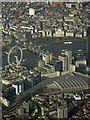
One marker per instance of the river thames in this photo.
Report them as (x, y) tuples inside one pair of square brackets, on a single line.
[(55, 48)]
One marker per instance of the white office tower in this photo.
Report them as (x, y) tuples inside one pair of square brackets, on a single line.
[(62, 112), (19, 87), (69, 55), (15, 85), (31, 11), (46, 58)]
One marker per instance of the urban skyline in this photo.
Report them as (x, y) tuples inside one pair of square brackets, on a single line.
[(45, 60)]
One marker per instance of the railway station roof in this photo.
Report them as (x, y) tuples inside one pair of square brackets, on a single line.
[(69, 82)]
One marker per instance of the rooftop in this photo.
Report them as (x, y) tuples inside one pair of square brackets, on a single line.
[(68, 82)]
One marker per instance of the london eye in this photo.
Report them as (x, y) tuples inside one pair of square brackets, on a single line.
[(17, 57)]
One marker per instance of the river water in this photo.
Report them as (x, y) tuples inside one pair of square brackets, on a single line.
[(27, 56), (55, 48), (74, 47)]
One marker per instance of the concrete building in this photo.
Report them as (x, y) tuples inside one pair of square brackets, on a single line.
[(59, 33), (79, 35), (15, 85), (78, 62), (64, 73), (41, 63), (64, 60), (77, 97), (69, 55), (72, 68), (68, 5), (51, 56), (62, 112), (43, 33), (31, 11), (57, 64), (51, 67), (19, 87), (5, 101), (49, 33), (51, 74), (9, 92), (47, 68), (85, 33), (47, 57), (31, 31), (69, 34)]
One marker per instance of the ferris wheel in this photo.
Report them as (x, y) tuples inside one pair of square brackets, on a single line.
[(18, 60)]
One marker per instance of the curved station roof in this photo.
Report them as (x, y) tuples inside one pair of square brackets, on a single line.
[(68, 82)]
